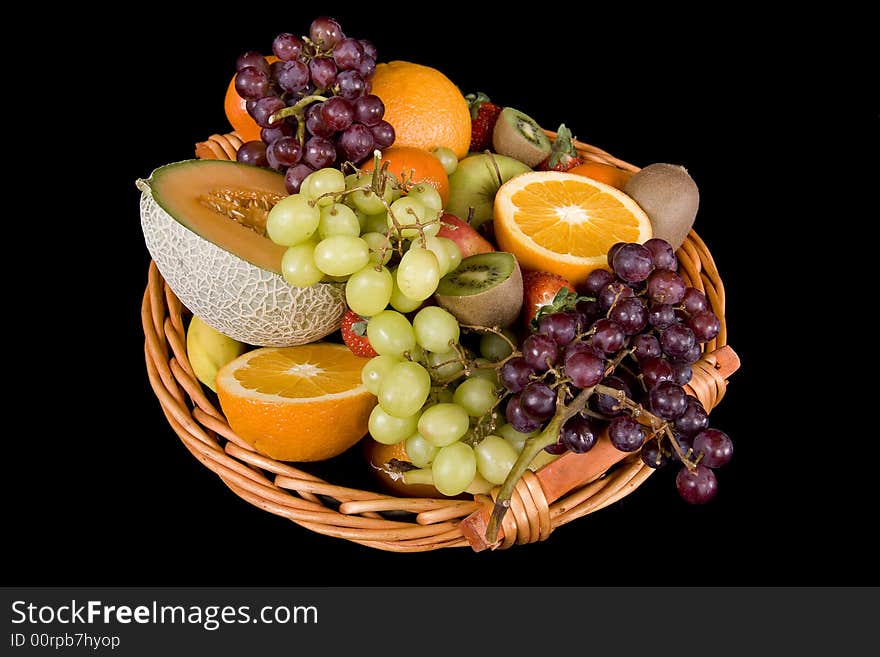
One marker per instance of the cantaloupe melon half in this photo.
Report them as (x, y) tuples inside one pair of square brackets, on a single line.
[(204, 226)]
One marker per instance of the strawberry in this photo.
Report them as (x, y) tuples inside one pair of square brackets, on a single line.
[(541, 288), (563, 155), (484, 114), (354, 334)]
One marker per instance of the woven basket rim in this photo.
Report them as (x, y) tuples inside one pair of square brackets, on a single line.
[(285, 490)]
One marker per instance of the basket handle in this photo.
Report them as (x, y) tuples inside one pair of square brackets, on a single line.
[(571, 471)]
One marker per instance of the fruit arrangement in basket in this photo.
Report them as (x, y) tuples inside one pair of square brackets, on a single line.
[(489, 310)]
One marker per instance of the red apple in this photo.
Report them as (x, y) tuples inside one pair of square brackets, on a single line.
[(469, 241)]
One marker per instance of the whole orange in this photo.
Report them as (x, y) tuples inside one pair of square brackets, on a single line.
[(426, 109), (606, 173), (417, 164), (237, 114)]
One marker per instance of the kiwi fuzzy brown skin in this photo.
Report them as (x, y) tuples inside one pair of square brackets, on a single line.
[(670, 198), (498, 305), (519, 136)]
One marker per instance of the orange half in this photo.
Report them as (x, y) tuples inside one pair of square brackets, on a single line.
[(304, 403), (565, 223)]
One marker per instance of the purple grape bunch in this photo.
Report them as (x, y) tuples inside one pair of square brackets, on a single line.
[(638, 329), (320, 86)]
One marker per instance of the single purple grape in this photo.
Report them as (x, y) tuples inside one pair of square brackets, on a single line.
[(367, 67), (578, 435), (694, 301), (596, 280), (348, 54), (682, 372), (323, 72), (560, 326), (369, 49), (319, 153), (518, 418), (383, 134), (632, 263), (693, 420), (540, 352), (350, 85), (292, 76), (355, 143), (369, 110), (584, 368), (716, 447), (698, 486), (325, 32), (645, 345), (609, 337), (253, 153), (294, 177), (278, 130), (677, 340), (662, 254), (652, 455), (254, 60), (265, 108), (315, 122), (606, 404), (626, 434), (668, 400), (515, 374), (705, 325), (630, 314), (252, 83), (337, 113), (287, 47), (286, 151), (666, 286), (655, 370), (614, 292), (538, 400)]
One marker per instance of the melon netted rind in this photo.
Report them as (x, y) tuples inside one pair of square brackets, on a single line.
[(233, 296)]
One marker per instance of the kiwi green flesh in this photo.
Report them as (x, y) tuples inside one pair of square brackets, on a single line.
[(477, 273), (519, 136)]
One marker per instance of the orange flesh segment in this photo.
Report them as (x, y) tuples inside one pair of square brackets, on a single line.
[(571, 217), (277, 373)]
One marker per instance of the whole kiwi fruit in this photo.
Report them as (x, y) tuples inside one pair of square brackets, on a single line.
[(670, 198)]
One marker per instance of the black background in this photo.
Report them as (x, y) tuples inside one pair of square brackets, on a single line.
[(99, 480)]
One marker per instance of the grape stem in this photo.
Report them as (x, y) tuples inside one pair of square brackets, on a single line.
[(298, 111)]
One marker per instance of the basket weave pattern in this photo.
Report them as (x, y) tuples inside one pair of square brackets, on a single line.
[(285, 490)]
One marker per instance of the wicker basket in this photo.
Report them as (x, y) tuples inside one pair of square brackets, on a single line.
[(354, 514)]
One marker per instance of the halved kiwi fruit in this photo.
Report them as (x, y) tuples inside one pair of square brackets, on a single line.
[(519, 136), (486, 289)]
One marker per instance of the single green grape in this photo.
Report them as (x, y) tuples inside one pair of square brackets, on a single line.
[(446, 366), (427, 195), (325, 181), (390, 430), (298, 265), (378, 243), (476, 395), (495, 458), (420, 452), (452, 252), (375, 369), (367, 200), (341, 255), (418, 273), (368, 290), (338, 219), (436, 329), (376, 223), (401, 302), (404, 389), (408, 212), (433, 244), (447, 158), (443, 424), (454, 468), (389, 332), (517, 439), (292, 220), (496, 348)]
